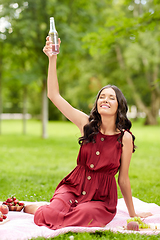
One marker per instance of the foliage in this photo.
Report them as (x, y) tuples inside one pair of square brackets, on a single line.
[(102, 42), (130, 36)]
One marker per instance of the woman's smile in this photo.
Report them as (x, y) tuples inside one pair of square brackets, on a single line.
[(105, 106), (107, 101)]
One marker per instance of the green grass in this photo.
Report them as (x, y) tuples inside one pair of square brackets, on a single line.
[(31, 167), (103, 236), (145, 167)]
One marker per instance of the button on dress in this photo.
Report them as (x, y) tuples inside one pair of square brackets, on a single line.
[(87, 196)]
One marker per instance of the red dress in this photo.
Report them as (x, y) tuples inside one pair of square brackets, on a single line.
[(87, 196)]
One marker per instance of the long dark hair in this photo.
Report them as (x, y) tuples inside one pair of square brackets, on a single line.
[(122, 122)]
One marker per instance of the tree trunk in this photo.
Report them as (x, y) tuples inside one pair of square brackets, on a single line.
[(150, 118), (155, 97), (25, 110), (44, 109)]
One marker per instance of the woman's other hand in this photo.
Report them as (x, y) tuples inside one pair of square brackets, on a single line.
[(144, 214)]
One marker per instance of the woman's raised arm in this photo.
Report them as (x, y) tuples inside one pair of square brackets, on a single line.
[(74, 115)]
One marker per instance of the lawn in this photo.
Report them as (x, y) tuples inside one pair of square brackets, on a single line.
[(31, 167)]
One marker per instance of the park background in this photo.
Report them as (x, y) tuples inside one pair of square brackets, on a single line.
[(103, 42)]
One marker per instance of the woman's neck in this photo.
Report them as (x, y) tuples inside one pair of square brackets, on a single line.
[(108, 126)]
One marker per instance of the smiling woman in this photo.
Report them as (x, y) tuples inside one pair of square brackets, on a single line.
[(110, 121), (107, 101), (87, 196)]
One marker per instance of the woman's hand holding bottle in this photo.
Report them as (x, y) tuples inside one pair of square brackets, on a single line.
[(52, 41), (48, 47)]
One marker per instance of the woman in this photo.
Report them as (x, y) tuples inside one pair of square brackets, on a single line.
[(88, 195)]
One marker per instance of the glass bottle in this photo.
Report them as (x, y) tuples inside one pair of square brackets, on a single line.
[(53, 37)]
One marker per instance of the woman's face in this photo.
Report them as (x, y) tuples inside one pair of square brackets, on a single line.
[(107, 103)]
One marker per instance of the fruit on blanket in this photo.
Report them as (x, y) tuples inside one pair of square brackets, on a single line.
[(4, 209), (21, 204), (154, 226), (1, 217), (13, 204), (16, 201), (139, 221), (9, 200), (4, 216), (133, 226)]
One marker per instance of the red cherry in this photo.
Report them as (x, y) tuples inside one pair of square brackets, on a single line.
[(16, 202), (1, 217), (9, 200), (4, 216), (21, 203)]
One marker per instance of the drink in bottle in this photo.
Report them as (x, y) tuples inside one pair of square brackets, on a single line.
[(53, 37)]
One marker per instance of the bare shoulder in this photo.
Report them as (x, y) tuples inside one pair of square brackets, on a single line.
[(127, 147), (127, 138)]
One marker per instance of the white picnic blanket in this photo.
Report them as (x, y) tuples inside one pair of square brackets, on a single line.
[(22, 227)]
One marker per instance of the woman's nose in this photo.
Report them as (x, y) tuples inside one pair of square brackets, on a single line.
[(106, 99)]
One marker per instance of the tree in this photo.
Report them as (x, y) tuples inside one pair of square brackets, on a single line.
[(26, 47), (126, 32), (1, 109), (3, 56), (30, 25), (117, 42)]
